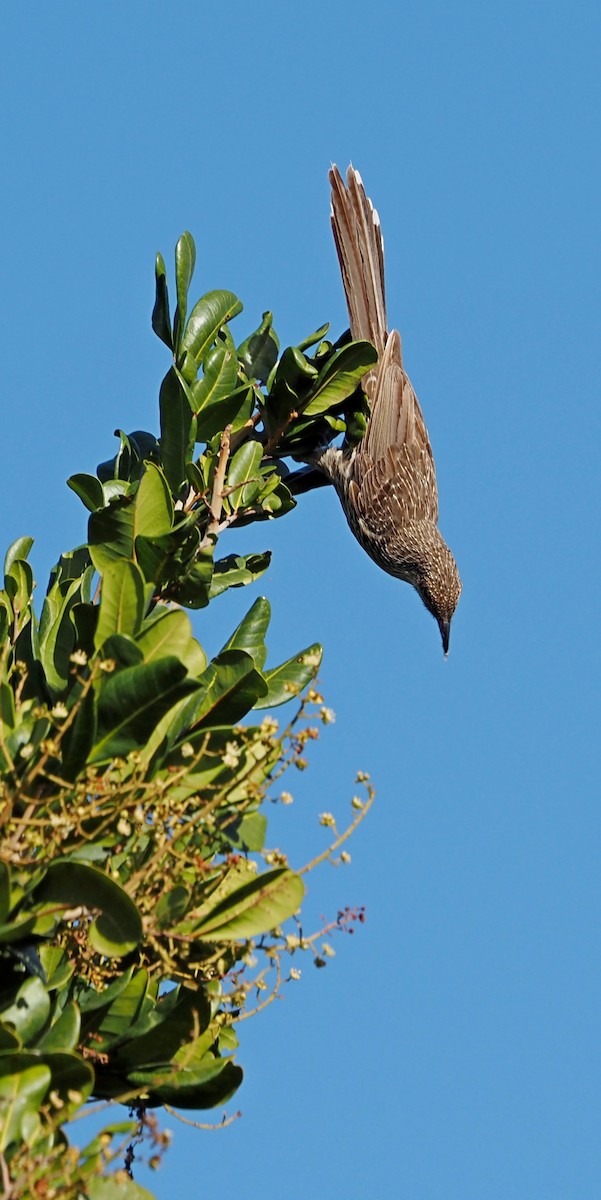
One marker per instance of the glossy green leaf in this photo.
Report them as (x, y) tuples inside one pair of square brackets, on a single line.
[(238, 570), (314, 338), (90, 1000), (57, 633), (18, 549), (185, 261), (171, 634), (29, 1012), (161, 319), (64, 1032), (118, 928), (220, 373), (56, 966), (206, 319), (250, 633), (194, 590), (21, 1092), (340, 376), (154, 506), (111, 533), (122, 600), (234, 410), (204, 1086), (249, 832), (172, 906), (89, 489), (258, 354), (288, 680), (278, 501), (79, 738), (132, 702), (9, 1042), (177, 429), (255, 908), (229, 684), (165, 1028), (18, 583), (243, 478), (123, 1011)]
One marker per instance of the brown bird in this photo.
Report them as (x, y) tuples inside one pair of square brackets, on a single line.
[(386, 484)]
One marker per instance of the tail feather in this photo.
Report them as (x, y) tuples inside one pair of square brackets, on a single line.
[(360, 248)]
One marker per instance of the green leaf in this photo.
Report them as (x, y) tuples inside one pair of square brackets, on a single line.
[(340, 375), (231, 685), (178, 432), (63, 1034), (29, 1012), (244, 480), (132, 702), (18, 583), (203, 1086), (123, 1011), (185, 261), (250, 633), (238, 570), (288, 680), (314, 338), (18, 549), (171, 634), (79, 738), (234, 410), (21, 1093), (194, 589), (206, 319), (172, 906), (122, 601), (163, 1029), (248, 832), (219, 379), (154, 506), (56, 966), (255, 908), (161, 319), (57, 633), (89, 489), (111, 533), (118, 929), (258, 354)]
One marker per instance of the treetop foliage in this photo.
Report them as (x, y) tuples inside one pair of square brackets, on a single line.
[(140, 911)]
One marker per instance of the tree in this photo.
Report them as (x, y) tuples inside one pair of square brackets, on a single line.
[(139, 909)]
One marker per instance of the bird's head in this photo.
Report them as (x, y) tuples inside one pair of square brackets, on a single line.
[(439, 585)]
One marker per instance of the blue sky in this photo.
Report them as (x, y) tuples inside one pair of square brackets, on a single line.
[(452, 1047)]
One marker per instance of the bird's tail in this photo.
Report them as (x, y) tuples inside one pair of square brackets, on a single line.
[(360, 247)]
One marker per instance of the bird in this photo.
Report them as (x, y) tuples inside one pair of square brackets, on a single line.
[(387, 482)]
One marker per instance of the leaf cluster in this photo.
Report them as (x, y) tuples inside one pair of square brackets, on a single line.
[(134, 898)]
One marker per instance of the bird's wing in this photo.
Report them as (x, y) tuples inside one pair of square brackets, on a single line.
[(358, 238), (395, 454)]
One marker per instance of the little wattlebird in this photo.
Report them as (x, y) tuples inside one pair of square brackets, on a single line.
[(387, 483)]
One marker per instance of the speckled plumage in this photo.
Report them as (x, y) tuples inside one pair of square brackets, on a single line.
[(387, 484)]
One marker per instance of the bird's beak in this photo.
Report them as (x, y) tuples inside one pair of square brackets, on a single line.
[(445, 633)]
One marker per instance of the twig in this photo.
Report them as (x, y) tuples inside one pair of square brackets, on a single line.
[(199, 1124), (343, 836), (216, 505)]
